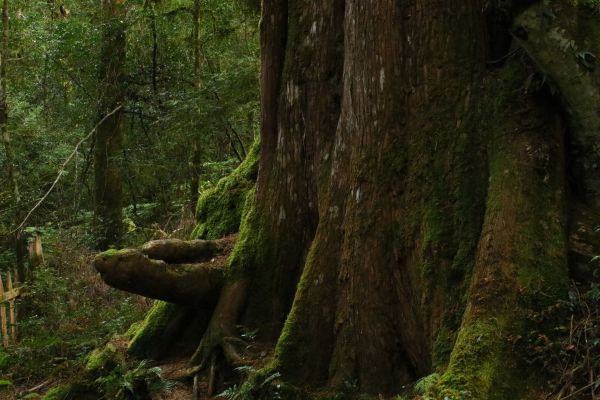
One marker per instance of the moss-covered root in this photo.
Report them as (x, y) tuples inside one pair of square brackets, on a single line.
[(219, 209), (134, 272), (521, 262), (158, 331)]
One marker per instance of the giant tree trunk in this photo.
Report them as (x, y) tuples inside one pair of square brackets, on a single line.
[(412, 205), (109, 135), (428, 191)]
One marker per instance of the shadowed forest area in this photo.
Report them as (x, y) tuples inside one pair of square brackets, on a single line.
[(300, 200)]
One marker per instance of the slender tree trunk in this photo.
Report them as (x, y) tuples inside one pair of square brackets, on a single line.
[(109, 136), (18, 240), (196, 153)]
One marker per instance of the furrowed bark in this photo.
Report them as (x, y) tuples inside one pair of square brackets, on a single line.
[(373, 294), (521, 261)]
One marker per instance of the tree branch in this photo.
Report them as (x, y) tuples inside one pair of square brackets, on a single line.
[(61, 171)]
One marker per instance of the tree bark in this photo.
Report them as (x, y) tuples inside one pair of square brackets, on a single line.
[(109, 135), (11, 171), (413, 205)]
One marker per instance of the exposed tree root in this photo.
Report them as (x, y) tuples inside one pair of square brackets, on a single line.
[(221, 333), (157, 271)]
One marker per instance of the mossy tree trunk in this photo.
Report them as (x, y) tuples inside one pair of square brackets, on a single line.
[(109, 135), (426, 191), (413, 204)]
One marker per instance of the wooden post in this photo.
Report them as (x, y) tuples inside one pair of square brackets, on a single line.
[(36, 252), (12, 314), (3, 327)]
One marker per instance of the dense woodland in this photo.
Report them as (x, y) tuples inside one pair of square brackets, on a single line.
[(293, 199)]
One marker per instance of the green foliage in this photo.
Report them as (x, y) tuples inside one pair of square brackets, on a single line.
[(260, 385), (5, 383), (59, 393), (593, 5), (67, 313), (196, 85), (124, 382), (191, 114)]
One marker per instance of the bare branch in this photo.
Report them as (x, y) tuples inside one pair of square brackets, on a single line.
[(61, 171)]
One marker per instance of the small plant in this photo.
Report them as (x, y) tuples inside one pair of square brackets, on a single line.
[(258, 387), (247, 334), (136, 382)]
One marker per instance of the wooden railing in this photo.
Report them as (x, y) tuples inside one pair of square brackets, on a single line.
[(8, 297)]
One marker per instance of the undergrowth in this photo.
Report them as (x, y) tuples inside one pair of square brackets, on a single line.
[(569, 352), (66, 313)]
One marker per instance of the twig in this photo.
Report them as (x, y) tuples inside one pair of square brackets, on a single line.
[(61, 171), (38, 387), (577, 391)]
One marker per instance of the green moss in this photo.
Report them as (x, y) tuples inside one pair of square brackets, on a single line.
[(426, 383), (68, 392), (148, 339), (527, 204), (102, 361), (251, 245), (112, 253), (58, 393), (31, 396), (219, 209), (133, 330), (442, 346), (477, 364)]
